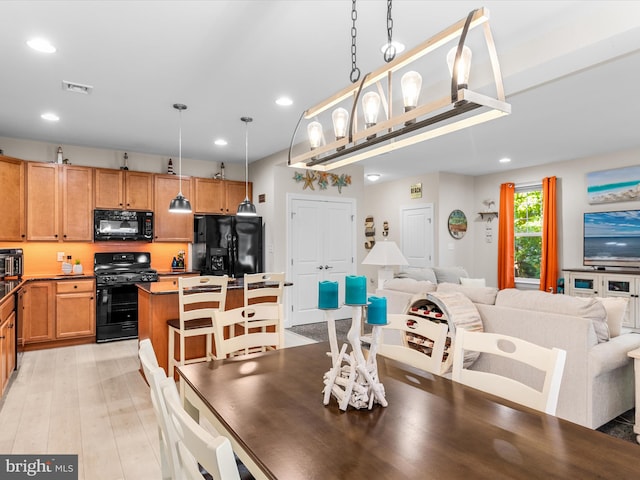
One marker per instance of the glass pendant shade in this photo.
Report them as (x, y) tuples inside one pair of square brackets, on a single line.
[(314, 130), (464, 65), (340, 118), (180, 204), (371, 107), (246, 208), (411, 84)]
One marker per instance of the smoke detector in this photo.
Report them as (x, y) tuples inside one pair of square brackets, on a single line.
[(76, 87)]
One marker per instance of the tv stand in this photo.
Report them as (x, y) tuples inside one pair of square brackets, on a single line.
[(586, 282)]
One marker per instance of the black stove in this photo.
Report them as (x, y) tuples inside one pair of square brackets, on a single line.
[(116, 292), (123, 268)]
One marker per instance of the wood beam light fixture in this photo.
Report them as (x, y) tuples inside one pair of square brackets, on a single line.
[(416, 120)]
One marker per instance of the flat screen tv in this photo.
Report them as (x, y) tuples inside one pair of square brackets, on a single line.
[(612, 239)]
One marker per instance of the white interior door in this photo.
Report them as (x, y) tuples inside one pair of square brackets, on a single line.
[(417, 235), (322, 248)]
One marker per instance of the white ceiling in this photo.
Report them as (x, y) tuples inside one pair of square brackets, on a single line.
[(570, 71)]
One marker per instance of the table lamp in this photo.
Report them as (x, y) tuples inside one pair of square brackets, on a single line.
[(386, 254)]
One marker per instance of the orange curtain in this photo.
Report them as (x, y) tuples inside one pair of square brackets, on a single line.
[(506, 243), (549, 255)]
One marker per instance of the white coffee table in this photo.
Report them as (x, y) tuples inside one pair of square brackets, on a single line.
[(635, 354)]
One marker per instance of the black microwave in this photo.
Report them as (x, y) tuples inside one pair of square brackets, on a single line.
[(122, 225)]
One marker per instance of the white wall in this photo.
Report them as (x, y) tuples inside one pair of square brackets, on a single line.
[(446, 192), (572, 203), (103, 158), (273, 178)]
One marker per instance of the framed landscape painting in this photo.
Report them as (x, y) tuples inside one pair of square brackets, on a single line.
[(617, 185)]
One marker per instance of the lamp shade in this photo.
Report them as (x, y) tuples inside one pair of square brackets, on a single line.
[(180, 205), (246, 209), (385, 253)]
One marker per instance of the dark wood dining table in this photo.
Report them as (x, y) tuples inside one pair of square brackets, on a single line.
[(270, 406)]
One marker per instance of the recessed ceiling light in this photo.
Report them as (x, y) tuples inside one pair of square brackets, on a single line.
[(41, 45), (284, 101), (373, 177), (51, 117), (505, 160), (221, 142), (399, 47)]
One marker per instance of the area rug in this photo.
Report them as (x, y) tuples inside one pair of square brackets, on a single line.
[(620, 427), (319, 333)]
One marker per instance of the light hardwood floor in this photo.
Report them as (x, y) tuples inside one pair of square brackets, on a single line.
[(88, 400)]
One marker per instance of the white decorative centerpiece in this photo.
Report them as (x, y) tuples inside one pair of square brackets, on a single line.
[(352, 379)]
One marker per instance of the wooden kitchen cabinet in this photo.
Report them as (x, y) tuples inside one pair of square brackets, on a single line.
[(39, 312), (43, 221), (75, 308), (171, 227), (7, 341), (12, 185), (221, 197), (77, 203), (123, 189), (235, 194)]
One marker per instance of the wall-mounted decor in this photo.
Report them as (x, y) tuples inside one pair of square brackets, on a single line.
[(457, 224), (616, 185), (323, 179), (416, 190), (369, 233)]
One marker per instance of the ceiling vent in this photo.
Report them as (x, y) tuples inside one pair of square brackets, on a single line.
[(76, 87)]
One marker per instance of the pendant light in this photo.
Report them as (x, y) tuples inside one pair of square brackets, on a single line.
[(180, 204), (246, 208)]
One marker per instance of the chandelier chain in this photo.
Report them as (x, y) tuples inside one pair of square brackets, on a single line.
[(390, 51), (355, 71)]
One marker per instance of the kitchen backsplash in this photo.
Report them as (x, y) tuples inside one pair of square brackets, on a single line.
[(41, 258)]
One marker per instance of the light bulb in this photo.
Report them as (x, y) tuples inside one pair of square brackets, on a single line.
[(411, 83), (314, 130), (464, 65), (340, 118), (371, 107)]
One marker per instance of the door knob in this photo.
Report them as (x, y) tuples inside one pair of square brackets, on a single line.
[(320, 267), (327, 267)]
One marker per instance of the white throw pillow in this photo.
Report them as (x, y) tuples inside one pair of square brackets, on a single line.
[(616, 308), (485, 295), (473, 282), (449, 274), (409, 285)]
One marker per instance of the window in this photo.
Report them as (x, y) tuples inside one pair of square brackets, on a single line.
[(527, 224)]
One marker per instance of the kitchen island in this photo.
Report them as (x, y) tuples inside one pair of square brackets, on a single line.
[(158, 302)]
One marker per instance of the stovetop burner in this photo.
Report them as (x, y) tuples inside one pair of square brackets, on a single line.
[(123, 268)]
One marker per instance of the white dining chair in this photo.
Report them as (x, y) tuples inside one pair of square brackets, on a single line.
[(263, 287), (433, 333), (167, 435), (196, 295), (550, 361), (194, 445), (257, 328)]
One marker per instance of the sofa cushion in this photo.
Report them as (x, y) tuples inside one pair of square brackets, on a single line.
[(418, 274), (616, 308), (449, 274), (473, 282), (485, 295), (537, 300), (410, 285)]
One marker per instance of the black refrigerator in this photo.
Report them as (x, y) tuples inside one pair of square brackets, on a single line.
[(227, 244)]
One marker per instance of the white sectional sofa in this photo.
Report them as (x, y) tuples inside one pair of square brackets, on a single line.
[(598, 381)]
